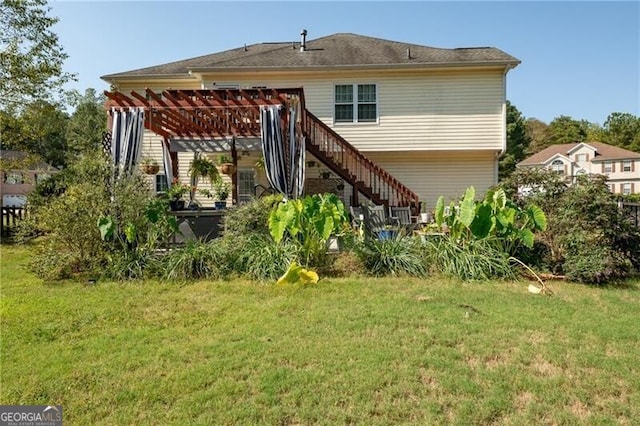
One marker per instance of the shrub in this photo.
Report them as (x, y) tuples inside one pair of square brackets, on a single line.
[(257, 256), (402, 255), (251, 218), (473, 260), (193, 261), (588, 237)]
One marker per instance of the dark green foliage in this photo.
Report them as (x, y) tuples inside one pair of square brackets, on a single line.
[(588, 237), (402, 255), (517, 142), (87, 124), (623, 130), (31, 58), (470, 260)]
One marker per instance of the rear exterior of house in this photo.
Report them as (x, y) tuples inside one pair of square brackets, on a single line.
[(433, 118), (621, 166)]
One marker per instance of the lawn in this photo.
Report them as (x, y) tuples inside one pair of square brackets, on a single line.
[(360, 350)]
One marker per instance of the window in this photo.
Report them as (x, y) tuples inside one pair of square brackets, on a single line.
[(41, 177), (359, 108), (607, 166), (626, 188), (611, 187), (627, 166), (557, 166), (161, 183), (246, 182), (13, 178), (581, 158)]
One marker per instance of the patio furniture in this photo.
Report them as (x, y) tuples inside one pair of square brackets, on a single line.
[(402, 216)]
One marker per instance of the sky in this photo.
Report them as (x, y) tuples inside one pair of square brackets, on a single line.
[(580, 59)]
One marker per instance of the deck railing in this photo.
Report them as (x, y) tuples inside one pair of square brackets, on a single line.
[(354, 167)]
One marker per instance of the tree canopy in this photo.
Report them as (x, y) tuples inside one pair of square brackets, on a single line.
[(31, 57), (517, 141)]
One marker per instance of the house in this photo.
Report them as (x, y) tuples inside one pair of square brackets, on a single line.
[(393, 121), (621, 166), (20, 176)]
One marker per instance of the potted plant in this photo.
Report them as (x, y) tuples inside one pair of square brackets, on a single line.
[(388, 232), (226, 165), (221, 190), (149, 166), (202, 167), (176, 193), (424, 215)]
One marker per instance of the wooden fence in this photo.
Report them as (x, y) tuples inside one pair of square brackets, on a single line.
[(10, 218)]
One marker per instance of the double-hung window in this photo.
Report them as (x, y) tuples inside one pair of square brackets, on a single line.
[(627, 166), (355, 103), (607, 167)]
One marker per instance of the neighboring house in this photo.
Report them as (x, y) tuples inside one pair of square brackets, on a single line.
[(621, 166), (433, 118), (18, 181)]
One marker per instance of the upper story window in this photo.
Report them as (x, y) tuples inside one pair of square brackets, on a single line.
[(557, 166), (581, 158), (627, 166), (607, 166), (13, 178), (355, 103)]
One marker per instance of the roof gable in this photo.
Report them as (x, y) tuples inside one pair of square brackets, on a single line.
[(342, 50), (603, 152)]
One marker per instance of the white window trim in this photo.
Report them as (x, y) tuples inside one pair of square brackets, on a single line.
[(355, 105), (624, 165), (556, 163), (626, 186), (604, 166)]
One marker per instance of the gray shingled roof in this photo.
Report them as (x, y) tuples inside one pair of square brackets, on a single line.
[(603, 152), (335, 51)]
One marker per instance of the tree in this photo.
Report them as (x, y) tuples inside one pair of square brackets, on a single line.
[(40, 129), (565, 129), (538, 134), (87, 124), (31, 58), (517, 142), (623, 130)]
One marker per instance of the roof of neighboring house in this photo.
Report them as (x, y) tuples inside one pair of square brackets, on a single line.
[(16, 160), (603, 152), (344, 50)]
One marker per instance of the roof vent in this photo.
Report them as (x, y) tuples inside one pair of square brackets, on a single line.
[(409, 53), (245, 47), (303, 41)]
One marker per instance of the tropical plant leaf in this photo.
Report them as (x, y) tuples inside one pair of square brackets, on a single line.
[(526, 236), (106, 225), (297, 274), (467, 207), (130, 232), (439, 211), (499, 199), (483, 222), (538, 217)]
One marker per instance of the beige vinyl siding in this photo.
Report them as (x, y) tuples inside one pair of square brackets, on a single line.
[(446, 173), (152, 148), (419, 111)]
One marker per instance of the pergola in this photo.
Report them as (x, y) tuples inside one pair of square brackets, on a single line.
[(200, 115)]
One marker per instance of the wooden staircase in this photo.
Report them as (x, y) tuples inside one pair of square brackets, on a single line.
[(346, 161)]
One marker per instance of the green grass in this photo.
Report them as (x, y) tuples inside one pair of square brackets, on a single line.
[(365, 351)]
